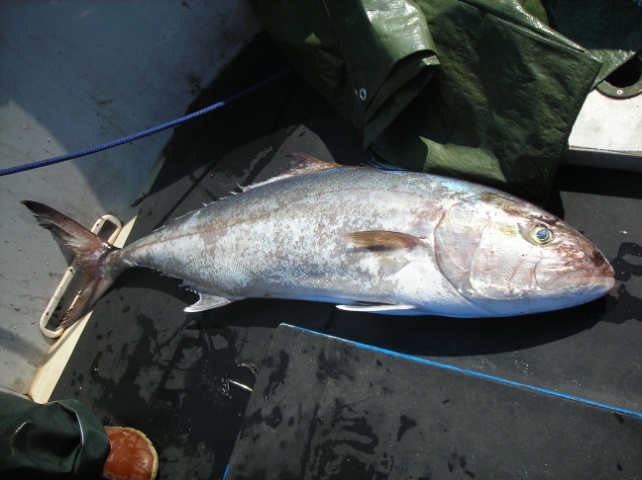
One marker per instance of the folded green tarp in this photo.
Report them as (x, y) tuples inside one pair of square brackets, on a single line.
[(483, 90)]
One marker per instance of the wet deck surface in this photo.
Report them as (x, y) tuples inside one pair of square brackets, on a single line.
[(186, 379), (324, 407)]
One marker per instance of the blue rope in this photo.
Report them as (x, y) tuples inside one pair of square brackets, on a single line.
[(144, 133)]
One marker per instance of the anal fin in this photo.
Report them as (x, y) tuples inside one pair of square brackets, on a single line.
[(376, 308), (207, 301)]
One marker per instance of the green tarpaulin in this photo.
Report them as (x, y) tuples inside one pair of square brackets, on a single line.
[(483, 90)]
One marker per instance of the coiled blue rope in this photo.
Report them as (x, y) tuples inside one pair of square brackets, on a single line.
[(144, 133)]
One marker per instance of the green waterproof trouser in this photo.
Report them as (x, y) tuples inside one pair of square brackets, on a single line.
[(57, 440)]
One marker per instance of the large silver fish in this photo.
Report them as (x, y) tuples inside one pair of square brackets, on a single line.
[(360, 237)]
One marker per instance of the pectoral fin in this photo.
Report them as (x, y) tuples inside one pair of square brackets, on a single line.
[(383, 240), (383, 308), (207, 302)]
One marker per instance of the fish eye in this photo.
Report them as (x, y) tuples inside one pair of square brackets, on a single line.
[(541, 235)]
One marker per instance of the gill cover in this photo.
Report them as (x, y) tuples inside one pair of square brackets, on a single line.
[(488, 247)]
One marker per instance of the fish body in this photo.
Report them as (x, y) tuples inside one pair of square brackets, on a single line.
[(365, 239)]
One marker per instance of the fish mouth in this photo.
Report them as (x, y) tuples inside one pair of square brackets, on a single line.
[(598, 279)]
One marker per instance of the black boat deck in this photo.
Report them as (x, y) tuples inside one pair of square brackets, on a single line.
[(187, 379)]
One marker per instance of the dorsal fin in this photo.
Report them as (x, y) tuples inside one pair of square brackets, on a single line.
[(300, 164)]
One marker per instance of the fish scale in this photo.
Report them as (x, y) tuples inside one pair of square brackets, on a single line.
[(363, 238)]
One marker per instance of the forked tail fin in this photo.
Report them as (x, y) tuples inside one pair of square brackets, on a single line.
[(90, 252)]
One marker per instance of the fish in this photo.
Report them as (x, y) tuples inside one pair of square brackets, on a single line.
[(363, 238)]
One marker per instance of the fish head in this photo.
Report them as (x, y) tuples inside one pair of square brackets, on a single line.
[(511, 258)]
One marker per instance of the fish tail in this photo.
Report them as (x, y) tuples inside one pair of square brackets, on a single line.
[(90, 253)]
